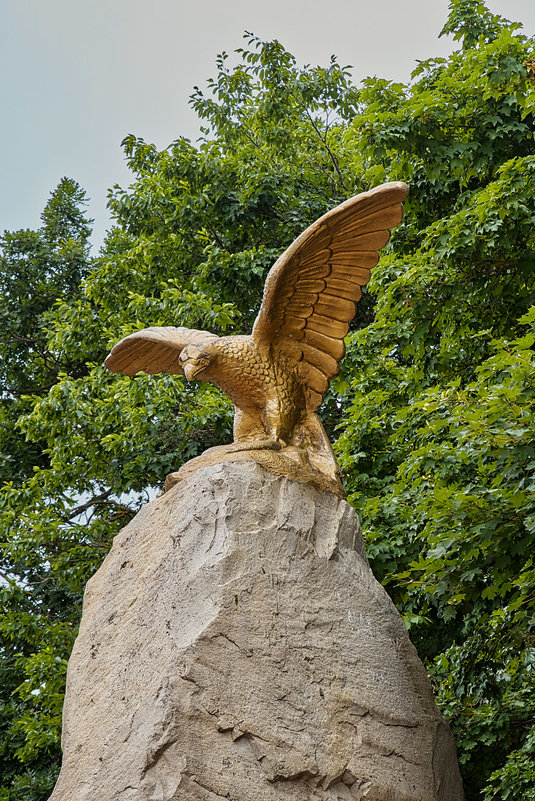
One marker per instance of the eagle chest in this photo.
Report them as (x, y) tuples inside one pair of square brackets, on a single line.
[(253, 379), (241, 373)]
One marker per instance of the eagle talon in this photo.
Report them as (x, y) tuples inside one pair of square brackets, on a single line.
[(256, 445)]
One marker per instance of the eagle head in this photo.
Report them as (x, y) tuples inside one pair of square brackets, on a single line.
[(194, 360)]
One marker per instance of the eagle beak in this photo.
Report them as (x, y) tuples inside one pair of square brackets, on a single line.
[(193, 368)]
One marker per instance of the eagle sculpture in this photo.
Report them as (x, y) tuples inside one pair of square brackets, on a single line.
[(277, 376)]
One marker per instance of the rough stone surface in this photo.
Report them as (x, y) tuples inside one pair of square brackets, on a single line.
[(235, 644)]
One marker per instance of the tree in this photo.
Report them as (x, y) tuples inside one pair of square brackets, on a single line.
[(437, 443), (432, 412), (37, 268)]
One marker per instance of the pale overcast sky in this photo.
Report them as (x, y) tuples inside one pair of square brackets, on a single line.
[(76, 76)]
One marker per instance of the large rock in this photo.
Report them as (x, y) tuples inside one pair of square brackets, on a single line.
[(235, 644)]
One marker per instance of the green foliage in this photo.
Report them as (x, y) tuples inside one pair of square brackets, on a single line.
[(472, 23), (36, 268), (38, 615), (437, 446), (515, 779), (432, 412)]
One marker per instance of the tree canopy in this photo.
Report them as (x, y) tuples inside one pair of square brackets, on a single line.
[(432, 414)]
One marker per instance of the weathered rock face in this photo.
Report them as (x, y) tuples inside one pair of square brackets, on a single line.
[(234, 644)]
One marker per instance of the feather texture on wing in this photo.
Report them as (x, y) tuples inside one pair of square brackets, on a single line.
[(311, 290), (155, 349)]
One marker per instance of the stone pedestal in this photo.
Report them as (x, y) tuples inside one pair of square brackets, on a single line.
[(235, 644)]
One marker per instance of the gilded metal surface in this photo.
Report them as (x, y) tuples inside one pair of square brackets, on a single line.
[(277, 376)]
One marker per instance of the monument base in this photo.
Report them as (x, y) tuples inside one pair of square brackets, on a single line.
[(235, 644)]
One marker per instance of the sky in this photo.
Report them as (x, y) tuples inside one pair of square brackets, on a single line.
[(77, 76)]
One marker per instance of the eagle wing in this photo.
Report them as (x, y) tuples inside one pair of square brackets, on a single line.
[(154, 349), (311, 290)]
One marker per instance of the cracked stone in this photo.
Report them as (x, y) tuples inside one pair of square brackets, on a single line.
[(252, 655)]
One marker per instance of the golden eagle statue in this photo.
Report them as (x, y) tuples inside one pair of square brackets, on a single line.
[(277, 376)]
